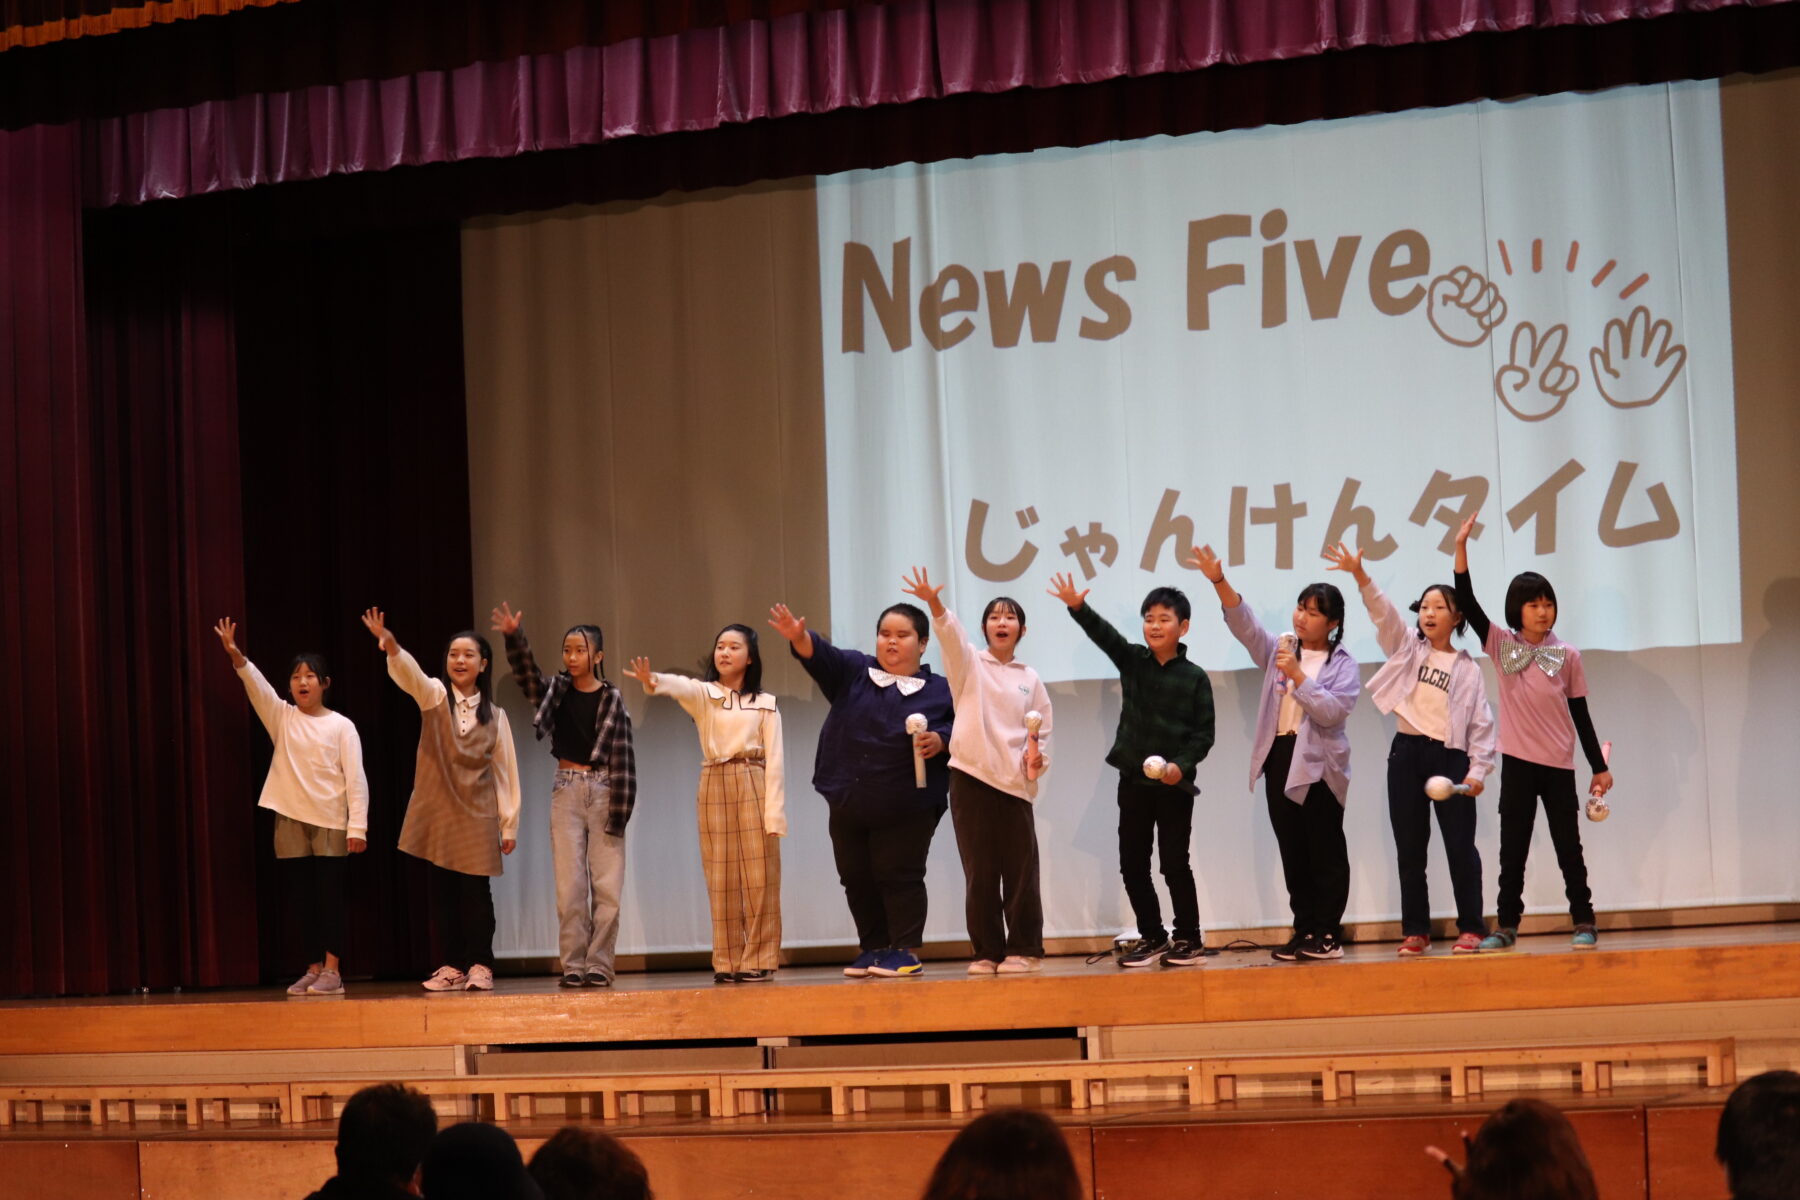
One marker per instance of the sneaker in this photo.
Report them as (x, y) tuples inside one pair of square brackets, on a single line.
[(299, 986), (1289, 952), (864, 961), (1412, 947), (1468, 943), (1501, 939), (1018, 964), (1586, 937), (447, 979), (761, 976), (596, 979), (1148, 953), (1319, 947), (983, 966), (481, 978), (724, 977), (329, 983), (570, 979), (1183, 953), (892, 964)]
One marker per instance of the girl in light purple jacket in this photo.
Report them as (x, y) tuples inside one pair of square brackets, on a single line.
[(1310, 684), (1446, 728)]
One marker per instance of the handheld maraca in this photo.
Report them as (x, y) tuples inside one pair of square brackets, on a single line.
[(1597, 807), (1034, 721), (1442, 787), (915, 725)]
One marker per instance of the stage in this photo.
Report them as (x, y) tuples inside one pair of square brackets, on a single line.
[(1156, 1075)]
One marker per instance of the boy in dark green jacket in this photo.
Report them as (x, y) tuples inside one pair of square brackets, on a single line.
[(1167, 716)]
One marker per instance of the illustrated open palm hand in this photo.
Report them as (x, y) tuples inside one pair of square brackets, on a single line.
[(1536, 382), (1637, 359), (1464, 307)]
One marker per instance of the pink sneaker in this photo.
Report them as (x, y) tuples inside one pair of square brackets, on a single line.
[(1468, 943), (481, 978), (1414, 946), (983, 966), (1018, 964), (446, 979)]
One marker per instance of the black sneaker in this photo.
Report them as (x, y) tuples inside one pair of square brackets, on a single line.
[(762, 976), (571, 979), (724, 977), (1183, 953), (1147, 954), (596, 979), (1320, 946), (1288, 953)]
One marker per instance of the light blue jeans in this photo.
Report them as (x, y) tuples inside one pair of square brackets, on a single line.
[(590, 871)]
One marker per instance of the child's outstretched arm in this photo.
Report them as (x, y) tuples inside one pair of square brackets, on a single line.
[(1465, 587), (1099, 630), (263, 698), (953, 642), (824, 662), (525, 673), (1390, 629), (403, 668), (1238, 618)]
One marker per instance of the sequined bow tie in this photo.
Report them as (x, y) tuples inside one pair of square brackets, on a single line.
[(1516, 656), (908, 684)]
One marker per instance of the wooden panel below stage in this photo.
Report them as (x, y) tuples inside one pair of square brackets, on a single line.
[(1654, 1148), (1692, 966)]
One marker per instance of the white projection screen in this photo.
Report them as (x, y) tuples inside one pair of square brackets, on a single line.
[(1553, 310)]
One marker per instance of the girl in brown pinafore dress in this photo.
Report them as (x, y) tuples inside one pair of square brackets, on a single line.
[(464, 810)]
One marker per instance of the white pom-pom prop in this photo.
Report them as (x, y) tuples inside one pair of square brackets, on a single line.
[(915, 725), (1442, 787), (1597, 807), (1154, 766), (1034, 721)]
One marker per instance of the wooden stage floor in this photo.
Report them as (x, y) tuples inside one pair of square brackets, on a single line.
[(1693, 966)]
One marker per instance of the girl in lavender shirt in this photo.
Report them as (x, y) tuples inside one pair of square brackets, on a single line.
[(1301, 751), (1445, 727)]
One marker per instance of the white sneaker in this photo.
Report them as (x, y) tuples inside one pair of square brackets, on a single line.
[(299, 986), (1016, 964), (983, 966), (448, 979), (329, 983), (481, 978)]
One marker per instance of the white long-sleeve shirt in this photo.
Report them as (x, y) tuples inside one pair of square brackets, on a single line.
[(316, 775), (992, 698), (732, 727), (404, 670)]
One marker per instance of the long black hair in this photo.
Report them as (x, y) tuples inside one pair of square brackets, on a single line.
[(752, 672), (484, 682), (1330, 602), (596, 643)]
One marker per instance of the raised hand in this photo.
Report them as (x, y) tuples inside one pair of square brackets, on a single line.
[(1202, 559), (640, 671), (1464, 307), (227, 631), (1062, 586), (375, 621), (1463, 533), (505, 620), (784, 622), (1637, 359), (919, 584), (1535, 382), (1342, 558)]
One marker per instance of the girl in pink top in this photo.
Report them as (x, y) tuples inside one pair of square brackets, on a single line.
[(1543, 711)]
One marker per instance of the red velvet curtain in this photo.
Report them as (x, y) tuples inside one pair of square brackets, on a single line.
[(127, 807)]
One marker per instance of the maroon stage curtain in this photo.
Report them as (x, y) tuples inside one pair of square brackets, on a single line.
[(119, 539), (804, 63)]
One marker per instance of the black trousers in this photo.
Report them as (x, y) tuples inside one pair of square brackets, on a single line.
[(1156, 814), (882, 868), (1522, 783), (1411, 761), (313, 887), (996, 835), (1315, 862), (464, 905)]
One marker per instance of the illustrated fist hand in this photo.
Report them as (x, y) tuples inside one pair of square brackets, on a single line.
[(1637, 359), (1464, 307), (1536, 382)]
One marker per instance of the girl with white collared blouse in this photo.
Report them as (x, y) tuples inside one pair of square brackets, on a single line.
[(740, 800)]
